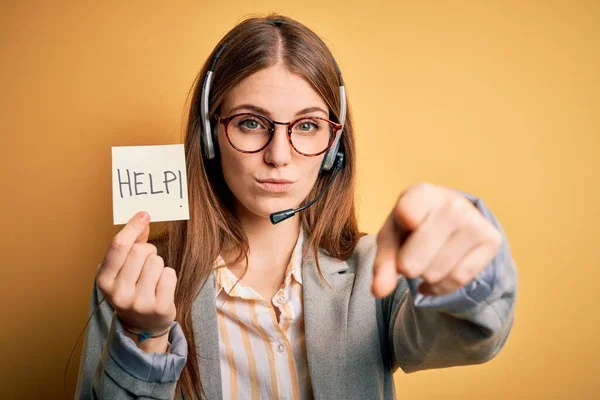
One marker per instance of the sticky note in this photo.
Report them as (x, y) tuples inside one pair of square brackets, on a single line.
[(151, 179)]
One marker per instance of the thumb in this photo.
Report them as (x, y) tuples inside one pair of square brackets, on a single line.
[(143, 237), (138, 227)]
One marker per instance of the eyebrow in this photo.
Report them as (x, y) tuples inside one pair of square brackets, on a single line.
[(263, 111)]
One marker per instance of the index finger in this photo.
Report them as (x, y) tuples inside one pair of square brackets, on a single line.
[(136, 230)]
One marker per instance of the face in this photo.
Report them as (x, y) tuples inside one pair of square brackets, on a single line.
[(282, 96)]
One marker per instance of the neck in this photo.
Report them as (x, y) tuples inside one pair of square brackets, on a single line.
[(271, 246)]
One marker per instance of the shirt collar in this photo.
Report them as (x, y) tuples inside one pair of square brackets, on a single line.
[(226, 280)]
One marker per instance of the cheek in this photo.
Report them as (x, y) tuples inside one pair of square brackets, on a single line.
[(231, 159), (238, 169), (235, 168), (309, 173), (313, 169)]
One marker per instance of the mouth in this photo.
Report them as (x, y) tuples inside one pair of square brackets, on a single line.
[(275, 185)]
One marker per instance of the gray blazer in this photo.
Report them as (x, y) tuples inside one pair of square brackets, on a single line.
[(354, 342)]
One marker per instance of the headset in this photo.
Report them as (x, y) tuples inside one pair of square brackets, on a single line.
[(334, 157)]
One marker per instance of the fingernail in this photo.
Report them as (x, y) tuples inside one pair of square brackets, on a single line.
[(144, 216)]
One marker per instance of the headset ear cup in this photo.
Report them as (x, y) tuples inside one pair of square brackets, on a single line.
[(338, 154), (214, 136), (214, 129), (216, 142), (322, 169)]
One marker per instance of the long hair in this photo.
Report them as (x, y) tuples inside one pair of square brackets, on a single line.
[(191, 247)]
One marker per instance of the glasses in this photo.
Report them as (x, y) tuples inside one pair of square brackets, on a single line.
[(251, 133)]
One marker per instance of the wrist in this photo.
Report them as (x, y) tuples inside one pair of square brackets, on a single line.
[(149, 342), (150, 345)]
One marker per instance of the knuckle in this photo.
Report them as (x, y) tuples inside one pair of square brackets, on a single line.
[(164, 308), (422, 187), (476, 228), (102, 283), (457, 205), (143, 250), (408, 268), (483, 232), (150, 271), (118, 243), (433, 276), (137, 250), (463, 277), (427, 189), (170, 272), (142, 306), (156, 261), (495, 239), (168, 277), (151, 248), (121, 299), (153, 263), (457, 211)]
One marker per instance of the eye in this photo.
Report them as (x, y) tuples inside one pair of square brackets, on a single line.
[(250, 123), (306, 126)]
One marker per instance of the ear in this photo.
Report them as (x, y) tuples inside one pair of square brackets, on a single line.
[(214, 130)]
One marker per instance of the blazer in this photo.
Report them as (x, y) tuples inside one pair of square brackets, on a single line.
[(354, 342)]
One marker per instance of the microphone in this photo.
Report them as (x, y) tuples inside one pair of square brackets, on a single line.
[(279, 216)]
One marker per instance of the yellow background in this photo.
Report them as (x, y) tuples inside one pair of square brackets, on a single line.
[(500, 99)]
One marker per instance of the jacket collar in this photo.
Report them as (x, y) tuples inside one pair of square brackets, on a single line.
[(329, 265)]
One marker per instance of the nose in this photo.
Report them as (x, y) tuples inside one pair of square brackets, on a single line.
[(279, 151)]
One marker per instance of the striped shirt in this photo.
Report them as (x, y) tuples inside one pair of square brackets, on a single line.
[(262, 357)]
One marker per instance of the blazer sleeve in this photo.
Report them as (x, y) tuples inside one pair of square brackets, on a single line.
[(113, 367), (467, 326)]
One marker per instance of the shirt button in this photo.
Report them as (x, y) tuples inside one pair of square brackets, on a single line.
[(282, 298), (280, 347)]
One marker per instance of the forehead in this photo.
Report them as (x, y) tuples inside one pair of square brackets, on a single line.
[(276, 89)]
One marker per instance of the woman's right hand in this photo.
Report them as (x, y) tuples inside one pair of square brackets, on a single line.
[(135, 281)]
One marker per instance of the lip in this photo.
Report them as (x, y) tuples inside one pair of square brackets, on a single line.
[(275, 185), (274, 180)]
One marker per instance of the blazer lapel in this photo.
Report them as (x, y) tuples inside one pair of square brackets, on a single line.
[(326, 317), (206, 336)]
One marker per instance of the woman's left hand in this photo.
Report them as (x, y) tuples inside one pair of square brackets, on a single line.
[(437, 234)]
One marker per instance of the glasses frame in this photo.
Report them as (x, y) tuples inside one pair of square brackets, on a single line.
[(335, 127)]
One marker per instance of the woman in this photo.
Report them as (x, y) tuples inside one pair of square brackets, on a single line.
[(234, 304)]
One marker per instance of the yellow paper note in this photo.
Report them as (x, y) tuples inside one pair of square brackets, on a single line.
[(151, 179)]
